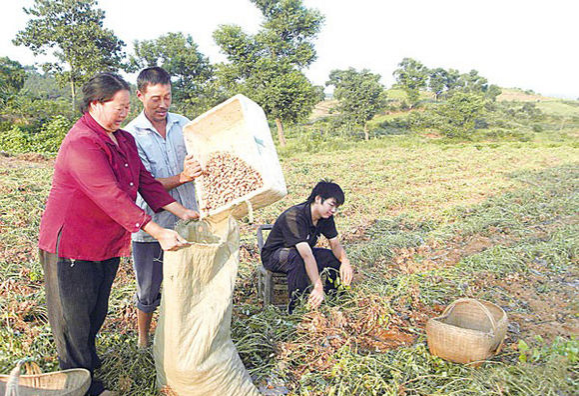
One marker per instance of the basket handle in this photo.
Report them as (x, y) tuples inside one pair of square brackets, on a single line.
[(449, 309), (13, 379)]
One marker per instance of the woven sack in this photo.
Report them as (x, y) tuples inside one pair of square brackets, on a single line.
[(193, 350), (468, 330), (73, 382)]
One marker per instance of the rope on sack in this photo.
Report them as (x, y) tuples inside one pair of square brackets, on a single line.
[(249, 211)]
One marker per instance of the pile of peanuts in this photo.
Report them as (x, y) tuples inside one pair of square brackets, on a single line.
[(227, 177)]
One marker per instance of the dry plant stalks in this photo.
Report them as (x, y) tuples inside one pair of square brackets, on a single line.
[(167, 391), (227, 177)]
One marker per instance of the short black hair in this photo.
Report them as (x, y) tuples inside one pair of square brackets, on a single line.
[(327, 189), (101, 88), (152, 76)]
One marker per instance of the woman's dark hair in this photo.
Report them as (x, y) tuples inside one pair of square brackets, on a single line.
[(152, 76), (101, 88), (327, 189)]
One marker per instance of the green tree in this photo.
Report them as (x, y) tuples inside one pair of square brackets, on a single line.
[(12, 77), (360, 94), (460, 113), (452, 79), (44, 85), (194, 90), (411, 76), (473, 82), (437, 81), (73, 30), (267, 67), (493, 91)]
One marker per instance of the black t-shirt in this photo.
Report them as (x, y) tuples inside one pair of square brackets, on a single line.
[(295, 225)]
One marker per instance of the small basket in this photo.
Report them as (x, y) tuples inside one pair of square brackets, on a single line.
[(468, 331), (73, 382)]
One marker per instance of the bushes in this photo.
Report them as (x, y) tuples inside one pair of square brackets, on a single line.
[(15, 140), (47, 140), (467, 115), (51, 135), (394, 126)]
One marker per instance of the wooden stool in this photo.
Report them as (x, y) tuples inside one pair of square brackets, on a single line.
[(271, 286)]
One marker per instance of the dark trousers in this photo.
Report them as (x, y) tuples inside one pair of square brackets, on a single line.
[(148, 266), (289, 261), (77, 299)]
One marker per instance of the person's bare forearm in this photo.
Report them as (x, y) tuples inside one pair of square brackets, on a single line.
[(153, 229), (191, 170), (317, 295), (307, 255), (346, 272), (312, 271), (338, 251), (172, 182), (180, 211)]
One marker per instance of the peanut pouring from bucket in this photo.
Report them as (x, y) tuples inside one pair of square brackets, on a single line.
[(242, 172)]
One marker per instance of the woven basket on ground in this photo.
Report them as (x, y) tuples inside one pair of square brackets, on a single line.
[(468, 331), (73, 382)]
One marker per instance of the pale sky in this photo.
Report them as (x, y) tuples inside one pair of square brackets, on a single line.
[(528, 44)]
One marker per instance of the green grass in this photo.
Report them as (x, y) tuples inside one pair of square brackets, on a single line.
[(559, 108), (399, 94), (424, 222)]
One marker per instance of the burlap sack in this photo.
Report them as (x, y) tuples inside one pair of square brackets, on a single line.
[(194, 354)]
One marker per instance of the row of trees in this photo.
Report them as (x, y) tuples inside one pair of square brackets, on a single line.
[(412, 76), (267, 67)]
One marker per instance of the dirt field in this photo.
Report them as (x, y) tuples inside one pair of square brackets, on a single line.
[(424, 225)]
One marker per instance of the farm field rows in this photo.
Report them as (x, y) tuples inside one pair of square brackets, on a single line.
[(424, 224)]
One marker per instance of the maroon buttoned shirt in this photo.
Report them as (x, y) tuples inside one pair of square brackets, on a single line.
[(91, 204)]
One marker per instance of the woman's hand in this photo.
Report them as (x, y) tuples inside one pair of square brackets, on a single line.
[(171, 241)]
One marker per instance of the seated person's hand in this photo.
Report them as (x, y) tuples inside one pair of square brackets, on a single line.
[(346, 273), (191, 169), (316, 297)]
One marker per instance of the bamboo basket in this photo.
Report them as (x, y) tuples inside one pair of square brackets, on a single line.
[(468, 331), (237, 126), (73, 382)]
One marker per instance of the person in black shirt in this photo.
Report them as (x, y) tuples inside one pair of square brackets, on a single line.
[(290, 246)]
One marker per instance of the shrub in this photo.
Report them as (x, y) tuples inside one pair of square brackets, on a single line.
[(481, 123), (15, 140), (50, 137), (395, 126), (537, 128)]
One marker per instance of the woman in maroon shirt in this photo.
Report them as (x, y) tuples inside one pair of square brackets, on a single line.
[(89, 216)]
